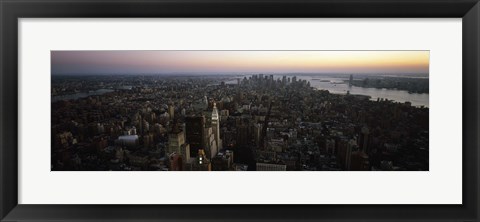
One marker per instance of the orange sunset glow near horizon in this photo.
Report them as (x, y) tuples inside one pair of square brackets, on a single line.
[(224, 62)]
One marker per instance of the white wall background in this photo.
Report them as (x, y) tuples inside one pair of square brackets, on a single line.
[(441, 185)]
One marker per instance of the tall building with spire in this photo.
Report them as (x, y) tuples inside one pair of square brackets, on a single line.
[(216, 126)]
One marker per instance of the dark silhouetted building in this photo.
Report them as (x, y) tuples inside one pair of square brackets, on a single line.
[(194, 127)]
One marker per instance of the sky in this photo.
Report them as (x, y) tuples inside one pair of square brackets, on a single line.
[(237, 62)]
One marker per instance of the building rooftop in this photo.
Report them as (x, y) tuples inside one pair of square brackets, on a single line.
[(128, 137)]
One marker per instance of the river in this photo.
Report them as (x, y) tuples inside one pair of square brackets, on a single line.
[(340, 86)]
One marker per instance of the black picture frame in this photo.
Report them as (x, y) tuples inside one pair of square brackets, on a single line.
[(12, 10)]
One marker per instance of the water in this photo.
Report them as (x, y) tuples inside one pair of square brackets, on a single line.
[(81, 95), (417, 99), (340, 86)]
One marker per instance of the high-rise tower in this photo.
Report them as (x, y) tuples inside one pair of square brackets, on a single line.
[(171, 111), (216, 126), (194, 133), (205, 101)]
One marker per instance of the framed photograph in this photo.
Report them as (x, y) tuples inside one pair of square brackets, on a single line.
[(239, 110)]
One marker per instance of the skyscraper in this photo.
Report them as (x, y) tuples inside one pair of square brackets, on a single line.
[(175, 140), (205, 101), (171, 111), (216, 126), (194, 127)]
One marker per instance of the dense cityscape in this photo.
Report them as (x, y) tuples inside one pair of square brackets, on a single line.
[(252, 122)]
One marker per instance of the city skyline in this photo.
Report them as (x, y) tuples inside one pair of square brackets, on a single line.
[(335, 118), (236, 62), (151, 123)]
